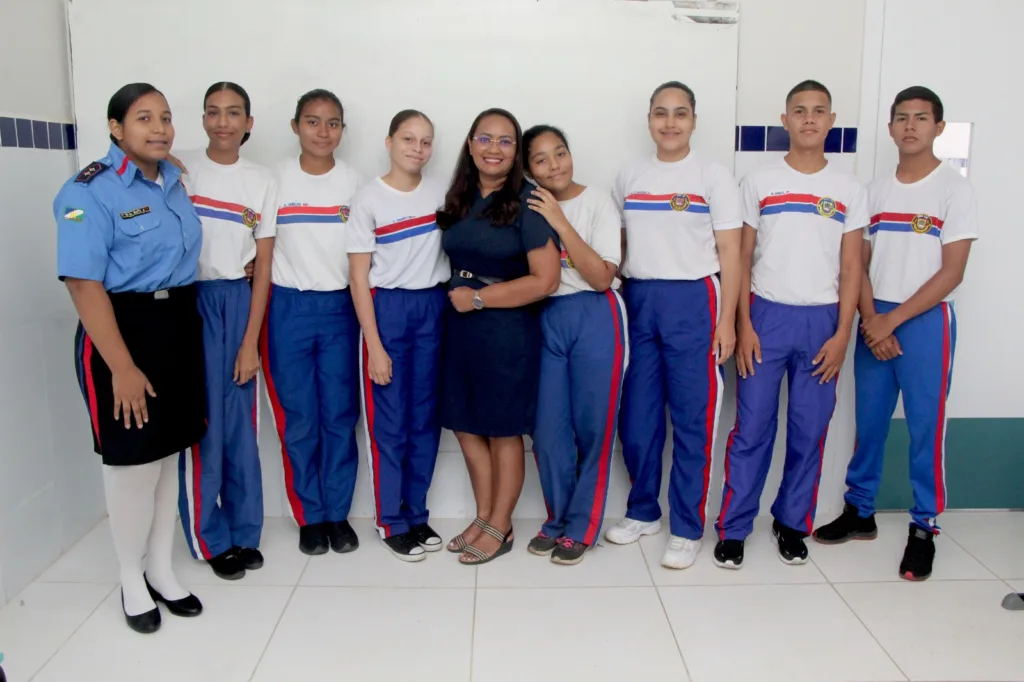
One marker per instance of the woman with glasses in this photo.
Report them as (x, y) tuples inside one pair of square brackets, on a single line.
[(504, 261)]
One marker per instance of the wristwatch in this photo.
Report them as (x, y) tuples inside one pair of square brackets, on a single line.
[(478, 303)]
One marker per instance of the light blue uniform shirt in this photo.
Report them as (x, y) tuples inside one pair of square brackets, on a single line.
[(116, 227)]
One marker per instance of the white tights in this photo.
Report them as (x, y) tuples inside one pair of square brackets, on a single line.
[(142, 505)]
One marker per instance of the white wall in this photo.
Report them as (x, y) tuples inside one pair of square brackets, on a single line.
[(50, 484)]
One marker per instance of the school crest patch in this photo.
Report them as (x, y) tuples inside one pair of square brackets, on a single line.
[(826, 207), (343, 213), (921, 224), (679, 202), (249, 218)]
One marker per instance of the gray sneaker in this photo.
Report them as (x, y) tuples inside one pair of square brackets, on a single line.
[(568, 552), (541, 545)]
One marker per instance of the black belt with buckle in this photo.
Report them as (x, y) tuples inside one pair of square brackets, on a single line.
[(466, 274)]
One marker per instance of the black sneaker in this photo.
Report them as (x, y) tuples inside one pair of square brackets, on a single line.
[(919, 554), (426, 537), (792, 549), (313, 539), (343, 538), (251, 557), (568, 552), (729, 554), (849, 526), (541, 545), (405, 547), (227, 565)]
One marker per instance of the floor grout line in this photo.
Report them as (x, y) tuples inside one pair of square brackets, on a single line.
[(664, 610), (472, 628), (280, 617), (75, 631), (869, 631)]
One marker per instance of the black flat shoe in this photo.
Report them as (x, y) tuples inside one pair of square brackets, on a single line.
[(313, 539), (342, 536), (251, 557), (228, 565), (145, 623), (189, 607)]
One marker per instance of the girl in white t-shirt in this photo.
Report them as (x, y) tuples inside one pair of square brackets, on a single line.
[(236, 200), (396, 268), (310, 341), (584, 354)]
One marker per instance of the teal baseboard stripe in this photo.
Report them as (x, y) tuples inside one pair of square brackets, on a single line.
[(984, 465)]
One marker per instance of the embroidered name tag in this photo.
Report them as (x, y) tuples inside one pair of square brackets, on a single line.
[(136, 213)]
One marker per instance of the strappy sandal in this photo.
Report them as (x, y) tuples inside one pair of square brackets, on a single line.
[(480, 557), (460, 539)]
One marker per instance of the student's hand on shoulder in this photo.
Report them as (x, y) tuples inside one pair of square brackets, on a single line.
[(177, 163), (544, 202), (379, 366), (130, 389), (461, 298), (748, 350), (878, 328), (724, 343), (830, 358), (247, 363), (887, 350)]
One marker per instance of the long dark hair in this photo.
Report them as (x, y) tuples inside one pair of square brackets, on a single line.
[(123, 100), (505, 205), (238, 90), (531, 135)]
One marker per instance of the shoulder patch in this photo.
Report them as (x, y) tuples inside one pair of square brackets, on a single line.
[(91, 171)]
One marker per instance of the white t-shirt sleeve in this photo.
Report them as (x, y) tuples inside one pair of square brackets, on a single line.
[(360, 233), (607, 234), (751, 203), (962, 216), (857, 217), (619, 196), (268, 216), (726, 207)]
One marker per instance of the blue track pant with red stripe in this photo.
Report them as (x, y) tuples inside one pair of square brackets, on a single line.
[(583, 359), (225, 464), (311, 365), (923, 373), (671, 330), (790, 337), (402, 427)]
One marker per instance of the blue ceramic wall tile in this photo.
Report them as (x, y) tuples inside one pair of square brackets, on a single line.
[(849, 140), (737, 138), (40, 135), (24, 127), (8, 132), (70, 136), (752, 138), (56, 135), (834, 141), (777, 139)]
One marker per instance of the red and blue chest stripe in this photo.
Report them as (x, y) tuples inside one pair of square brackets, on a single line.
[(810, 204), (294, 215), (679, 202), (406, 229), (225, 210), (916, 223)]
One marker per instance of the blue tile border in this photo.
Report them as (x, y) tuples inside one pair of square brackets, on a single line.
[(776, 139), (29, 134)]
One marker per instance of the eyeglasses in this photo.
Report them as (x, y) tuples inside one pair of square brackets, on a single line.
[(505, 142)]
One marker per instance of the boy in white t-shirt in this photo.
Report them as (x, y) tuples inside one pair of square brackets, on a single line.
[(681, 218), (924, 219), (221, 485), (396, 267), (802, 253)]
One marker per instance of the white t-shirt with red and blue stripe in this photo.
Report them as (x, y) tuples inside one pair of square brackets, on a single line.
[(800, 220), (671, 211), (237, 205), (310, 252), (910, 223), (400, 230)]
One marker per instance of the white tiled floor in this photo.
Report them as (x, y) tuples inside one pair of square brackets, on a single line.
[(618, 616)]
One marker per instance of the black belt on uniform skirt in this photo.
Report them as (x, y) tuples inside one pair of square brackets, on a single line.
[(466, 274)]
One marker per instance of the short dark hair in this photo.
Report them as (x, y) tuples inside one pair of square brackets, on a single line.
[(405, 115), (123, 100), (808, 86), (531, 135), (238, 90), (316, 96), (922, 93), (675, 85)]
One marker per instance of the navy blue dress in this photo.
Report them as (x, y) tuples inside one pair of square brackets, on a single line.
[(490, 358)]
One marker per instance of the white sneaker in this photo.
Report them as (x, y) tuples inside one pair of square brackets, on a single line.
[(680, 553), (628, 531)]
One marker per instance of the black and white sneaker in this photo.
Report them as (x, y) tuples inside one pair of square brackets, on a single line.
[(405, 547), (251, 557), (849, 526), (313, 539), (342, 536), (428, 539), (227, 565), (729, 554), (792, 549), (919, 554)]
